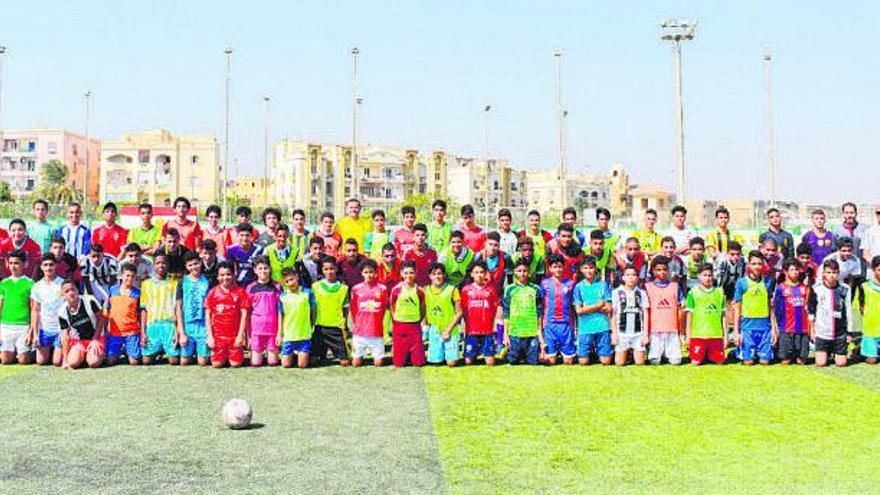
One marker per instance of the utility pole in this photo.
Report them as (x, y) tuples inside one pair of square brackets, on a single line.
[(770, 158), (88, 98), (268, 100), (2, 56), (354, 123), (676, 31), (223, 188), (560, 123)]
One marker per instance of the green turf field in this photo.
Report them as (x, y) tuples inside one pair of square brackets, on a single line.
[(478, 430)]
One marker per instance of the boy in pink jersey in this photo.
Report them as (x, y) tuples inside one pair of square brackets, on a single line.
[(265, 298), (422, 255), (407, 313), (665, 299), (369, 301)]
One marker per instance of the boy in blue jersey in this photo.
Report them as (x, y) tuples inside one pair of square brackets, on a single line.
[(592, 304), (752, 330), (558, 324), (190, 301)]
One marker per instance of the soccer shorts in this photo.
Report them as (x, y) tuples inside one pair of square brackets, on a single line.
[(13, 338), (629, 341), (836, 346), (523, 348), (296, 347), (324, 338), (197, 340), (82, 346), (598, 343), (475, 345), (666, 345), (756, 342), (264, 343), (131, 343), (440, 350), (794, 346), (406, 341), (50, 339), (559, 339), (160, 339), (225, 350), (360, 346), (870, 347), (701, 350)]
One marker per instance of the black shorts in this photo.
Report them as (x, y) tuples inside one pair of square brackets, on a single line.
[(324, 338), (794, 346), (836, 346)]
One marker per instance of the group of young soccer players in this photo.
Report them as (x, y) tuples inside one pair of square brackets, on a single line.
[(437, 293)]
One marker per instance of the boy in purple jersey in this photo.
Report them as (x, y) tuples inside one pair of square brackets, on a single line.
[(244, 254), (558, 308), (790, 309), (820, 239), (265, 296)]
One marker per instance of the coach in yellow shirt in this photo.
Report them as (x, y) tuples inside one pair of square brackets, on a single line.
[(353, 226)]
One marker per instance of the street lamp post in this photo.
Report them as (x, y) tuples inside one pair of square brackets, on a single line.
[(268, 100), (228, 52), (770, 158), (88, 98), (2, 55), (486, 112), (560, 123), (676, 31), (354, 123)]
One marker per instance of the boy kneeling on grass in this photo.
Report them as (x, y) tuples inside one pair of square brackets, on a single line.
[(442, 317), (830, 310), (790, 311), (297, 321), (630, 315), (82, 328), (407, 311), (369, 301), (226, 313), (753, 332), (158, 312), (479, 304), (592, 304), (706, 326), (190, 308), (868, 295), (522, 317)]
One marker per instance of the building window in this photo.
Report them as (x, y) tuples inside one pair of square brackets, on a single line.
[(194, 160), (436, 175), (74, 149), (30, 185), (143, 156), (32, 146), (52, 147)]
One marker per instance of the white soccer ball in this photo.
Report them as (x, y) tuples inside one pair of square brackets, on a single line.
[(237, 414)]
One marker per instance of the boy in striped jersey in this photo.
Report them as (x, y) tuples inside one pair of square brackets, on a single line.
[(629, 309), (830, 311), (157, 313), (558, 316), (790, 315), (77, 237)]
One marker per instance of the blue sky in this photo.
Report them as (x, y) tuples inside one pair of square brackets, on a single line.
[(427, 69)]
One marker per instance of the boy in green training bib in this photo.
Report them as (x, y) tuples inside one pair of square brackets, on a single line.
[(522, 308), (297, 319), (706, 326), (442, 316)]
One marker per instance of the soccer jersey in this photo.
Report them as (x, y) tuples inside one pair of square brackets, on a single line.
[(457, 267), (407, 303), (440, 306), (557, 300), (588, 294), (354, 228), (572, 256), (374, 242), (145, 238), (32, 253), (706, 307), (480, 305), (112, 239), (830, 310), (42, 233), (15, 292), (48, 295), (681, 236), (536, 267), (243, 260), (368, 305), (296, 310), (404, 239), (474, 238), (191, 294), (784, 241), (264, 307), (122, 311), (158, 298), (220, 236), (332, 242), (726, 272), (521, 306), (82, 323), (508, 241), (299, 242), (265, 239), (389, 275), (500, 269), (629, 306), (225, 306), (350, 269), (78, 239), (423, 261), (790, 307), (279, 259), (664, 299), (693, 270), (754, 299), (868, 295), (539, 240), (176, 265), (439, 235), (190, 232), (721, 240), (821, 245), (648, 240), (331, 299)]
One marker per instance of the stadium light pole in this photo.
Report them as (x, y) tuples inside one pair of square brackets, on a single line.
[(88, 100), (228, 52), (2, 56), (768, 61), (268, 100), (560, 128), (354, 122), (676, 31), (487, 110)]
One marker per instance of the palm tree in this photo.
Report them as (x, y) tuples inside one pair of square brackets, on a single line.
[(53, 186)]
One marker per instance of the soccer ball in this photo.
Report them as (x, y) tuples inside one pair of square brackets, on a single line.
[(237, 414)]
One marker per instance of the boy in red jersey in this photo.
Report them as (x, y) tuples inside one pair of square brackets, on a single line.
[(570, 251), (497, 261), (349, 264), (407, 312), (110, 235), (369, 301), (480, 304), (189, 230), (404, 237), (327, 232), (226, 313), (389, 267), (421, 255)]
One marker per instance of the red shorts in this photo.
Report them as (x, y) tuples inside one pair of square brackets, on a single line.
[(707, 349), (406, 340), (225, 349), (83, 346)]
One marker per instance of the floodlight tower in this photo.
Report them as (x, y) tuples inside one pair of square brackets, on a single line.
[(768, 59), (676, 31), (354, 122), (560, 127)]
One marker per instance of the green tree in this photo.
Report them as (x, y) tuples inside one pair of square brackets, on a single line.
[(422, 204), (5, 193), (53, 186)]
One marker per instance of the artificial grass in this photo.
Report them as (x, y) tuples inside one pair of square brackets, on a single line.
[(655, 430), (155, 429)]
